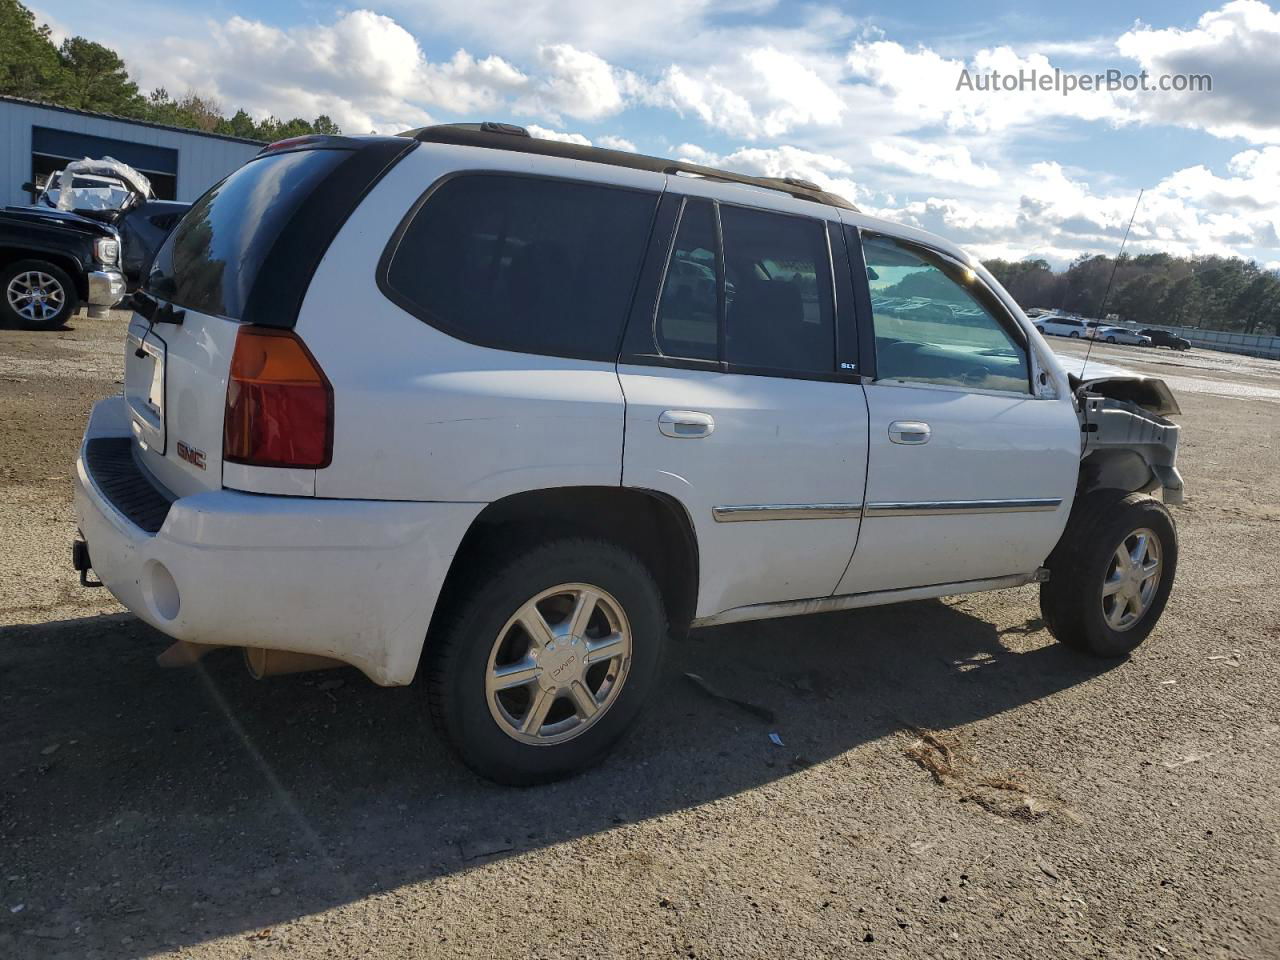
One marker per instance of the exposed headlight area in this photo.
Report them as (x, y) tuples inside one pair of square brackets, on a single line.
[(106, 251)]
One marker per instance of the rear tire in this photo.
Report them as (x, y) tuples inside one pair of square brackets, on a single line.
[(37, 295), (576, 701), (1092, 602)]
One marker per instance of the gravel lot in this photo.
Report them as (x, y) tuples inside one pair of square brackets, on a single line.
[(952, 783)]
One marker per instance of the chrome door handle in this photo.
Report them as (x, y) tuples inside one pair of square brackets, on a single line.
[(909, 431), (686, 424)]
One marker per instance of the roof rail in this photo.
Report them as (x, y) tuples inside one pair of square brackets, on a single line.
[(508, 136)]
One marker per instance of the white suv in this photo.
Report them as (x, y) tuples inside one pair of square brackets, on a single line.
[(516, 412), (1063, 327)]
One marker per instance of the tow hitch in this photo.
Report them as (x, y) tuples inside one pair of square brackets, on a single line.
[(80, 560)]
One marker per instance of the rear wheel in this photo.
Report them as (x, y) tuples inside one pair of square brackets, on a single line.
[(1111, 573), (37, 295), (543, 666)]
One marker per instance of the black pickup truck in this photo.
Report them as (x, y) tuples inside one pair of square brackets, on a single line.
[(85, 241)]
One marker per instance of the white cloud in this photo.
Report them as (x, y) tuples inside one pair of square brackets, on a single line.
[(365, 70), (926, 87), (1239, 46), (577, 83), (830, 173), (764, 92), (545, 134), (941, 161), (616, 143), (1048, 212)]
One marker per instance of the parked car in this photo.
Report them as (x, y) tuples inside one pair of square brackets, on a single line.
[(85, 241), (1163, 338), (426, 407), (1122, 335), (1062, 327)]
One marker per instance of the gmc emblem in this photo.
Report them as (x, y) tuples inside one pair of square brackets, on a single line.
[(191, 455)]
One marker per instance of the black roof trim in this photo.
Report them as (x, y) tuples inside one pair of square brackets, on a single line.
[(42, 105), (507, 136)]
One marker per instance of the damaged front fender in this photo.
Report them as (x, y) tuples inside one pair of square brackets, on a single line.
[(1128, 444)]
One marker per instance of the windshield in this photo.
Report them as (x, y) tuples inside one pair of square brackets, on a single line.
[(85, 193)]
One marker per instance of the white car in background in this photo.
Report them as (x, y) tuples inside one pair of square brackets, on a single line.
[(1062, 327), (1121, 335)]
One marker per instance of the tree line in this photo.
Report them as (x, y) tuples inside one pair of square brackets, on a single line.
[(85, 75), (1208, 292)]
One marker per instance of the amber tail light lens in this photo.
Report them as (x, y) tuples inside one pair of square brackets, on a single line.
[(279, 403)]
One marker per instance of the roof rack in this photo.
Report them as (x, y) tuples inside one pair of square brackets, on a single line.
[(508, 136)]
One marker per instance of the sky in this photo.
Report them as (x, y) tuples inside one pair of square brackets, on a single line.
[(865, 98)]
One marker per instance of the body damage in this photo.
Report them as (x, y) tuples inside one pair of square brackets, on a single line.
[(1126, 441)]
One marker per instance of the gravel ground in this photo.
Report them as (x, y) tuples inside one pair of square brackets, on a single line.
[(952, 783)]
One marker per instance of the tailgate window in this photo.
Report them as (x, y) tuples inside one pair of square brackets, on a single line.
[(210, 262)]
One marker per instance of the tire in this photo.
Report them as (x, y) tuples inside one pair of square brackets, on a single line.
[(18, 281), (1072, 601), (1074, 334), (480, 634), (1111, 339)]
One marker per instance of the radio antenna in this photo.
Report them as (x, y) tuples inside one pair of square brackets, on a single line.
[(1102, 309)]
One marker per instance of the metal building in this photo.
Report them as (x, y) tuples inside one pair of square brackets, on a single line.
[(36, 139)]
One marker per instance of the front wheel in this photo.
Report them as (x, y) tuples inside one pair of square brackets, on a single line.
[(37, 295), (1111, 573), (1111, 339), (538, 671), (1075, 334)]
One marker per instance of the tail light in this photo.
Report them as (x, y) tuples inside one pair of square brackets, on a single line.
[(279, 403)]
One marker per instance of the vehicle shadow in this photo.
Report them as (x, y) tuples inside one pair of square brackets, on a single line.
[(176, 806)]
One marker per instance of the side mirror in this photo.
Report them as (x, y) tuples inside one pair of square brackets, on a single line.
[(30, 187)]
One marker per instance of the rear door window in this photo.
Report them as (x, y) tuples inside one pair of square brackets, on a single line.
[(779, 306), (523, 263), (211, 260)]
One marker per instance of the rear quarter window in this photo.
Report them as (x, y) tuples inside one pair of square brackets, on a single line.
[(522, 263), (211, 261)]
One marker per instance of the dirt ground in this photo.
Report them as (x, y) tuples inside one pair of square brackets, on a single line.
[(951, 784)]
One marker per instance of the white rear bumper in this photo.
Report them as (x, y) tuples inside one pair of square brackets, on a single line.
[(354, 580)]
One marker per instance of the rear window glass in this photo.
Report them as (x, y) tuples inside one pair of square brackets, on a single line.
[(210, 262), (524, 264)]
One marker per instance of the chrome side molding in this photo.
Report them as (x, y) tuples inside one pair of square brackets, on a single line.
[(942, 508), (787, 511)]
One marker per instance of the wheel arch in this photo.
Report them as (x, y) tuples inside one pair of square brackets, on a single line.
[(654, 525)]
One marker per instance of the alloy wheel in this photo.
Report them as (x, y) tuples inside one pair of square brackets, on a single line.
[(35, 296), (558, 664), (1133, 577)]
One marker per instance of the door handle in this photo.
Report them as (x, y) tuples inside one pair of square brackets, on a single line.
[(909, 431), (686, 424)]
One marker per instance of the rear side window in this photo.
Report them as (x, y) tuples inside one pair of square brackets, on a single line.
[(525, 264), (779, 307), (687, 323), (211, 261)]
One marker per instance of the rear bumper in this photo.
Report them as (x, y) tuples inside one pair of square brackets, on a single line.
[(106, 288), (350, 579)]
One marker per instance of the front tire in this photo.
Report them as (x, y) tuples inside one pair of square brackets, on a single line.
[(37, 295), (1111, 573), (1075, 334), (545, 663)]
